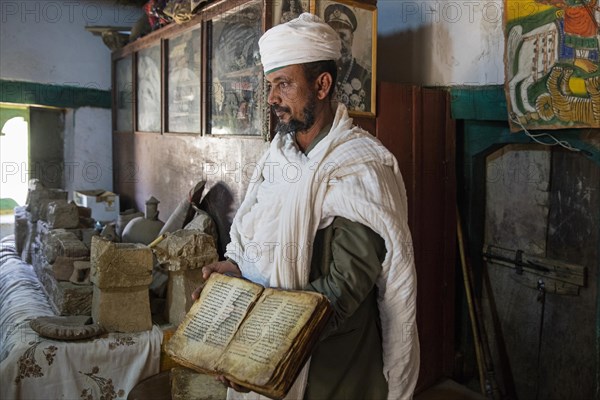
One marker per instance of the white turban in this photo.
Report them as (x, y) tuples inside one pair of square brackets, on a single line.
[(301, 40)]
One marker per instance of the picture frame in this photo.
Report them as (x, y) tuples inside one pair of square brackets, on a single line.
[(236, 98), (148, 89), (356, 23), (183, 86), (285, 10), (123, 94)]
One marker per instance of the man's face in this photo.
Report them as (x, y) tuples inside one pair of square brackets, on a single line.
[(346, 36), (292, 99)]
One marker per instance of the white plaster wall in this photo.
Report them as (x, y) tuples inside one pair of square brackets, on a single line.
[(88, 149), (46, 41), (440, 42)]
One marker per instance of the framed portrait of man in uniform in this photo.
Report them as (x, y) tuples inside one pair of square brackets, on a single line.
[(286, 10), (356, 24)]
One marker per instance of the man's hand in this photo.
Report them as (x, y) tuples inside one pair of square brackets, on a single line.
[(221, 267), (232, 385)]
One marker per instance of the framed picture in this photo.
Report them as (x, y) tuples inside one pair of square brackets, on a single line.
[(124, 94), (184, 63), (286, 10), (551, 64), (356, 24), (148, 99), (236, 100)]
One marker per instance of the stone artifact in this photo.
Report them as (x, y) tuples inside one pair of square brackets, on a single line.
[(81, 273), (59, 242), (183, 253), (63, 267), (38, 198), (185, 210), (66, 328), (188, 384), (204, 223), (121, 274), (61, 214), (124, 218), (144, 229), (21, 219), (109, 232)]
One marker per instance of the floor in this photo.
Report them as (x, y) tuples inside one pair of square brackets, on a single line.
[(449, 390)]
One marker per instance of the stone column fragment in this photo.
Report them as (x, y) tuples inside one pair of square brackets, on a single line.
[(183, 253), (121, 274)]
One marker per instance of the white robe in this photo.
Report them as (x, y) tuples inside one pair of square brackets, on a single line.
[(350, 174)]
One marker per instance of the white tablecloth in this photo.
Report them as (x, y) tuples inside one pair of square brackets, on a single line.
[(33, 367)]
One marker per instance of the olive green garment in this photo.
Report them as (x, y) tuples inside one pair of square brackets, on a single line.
[(347, 363)]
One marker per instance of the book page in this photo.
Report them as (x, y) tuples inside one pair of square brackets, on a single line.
[(213, 319), (267, 334)]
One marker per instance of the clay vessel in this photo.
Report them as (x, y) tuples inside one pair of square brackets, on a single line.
[(144, 229)]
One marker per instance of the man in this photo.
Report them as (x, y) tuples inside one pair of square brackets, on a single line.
[(354, 80), (328, 213)]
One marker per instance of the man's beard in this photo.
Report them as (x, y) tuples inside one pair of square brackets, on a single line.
[(295, 125)]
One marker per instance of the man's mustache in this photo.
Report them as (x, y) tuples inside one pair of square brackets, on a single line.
[(277, 108)]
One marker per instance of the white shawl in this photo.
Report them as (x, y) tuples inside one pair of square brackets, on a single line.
[(349, 174)]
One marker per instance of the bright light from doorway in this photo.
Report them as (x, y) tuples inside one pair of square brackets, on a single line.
[(14, 154)]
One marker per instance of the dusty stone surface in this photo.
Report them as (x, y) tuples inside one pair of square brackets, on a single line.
[(66, 328), (59, 242), (65, 297), (61, 214), (122, 309), (204, 223), (180, 286), (186, 249), (22, 217), (28, 247), (120, 265), (38, 198), (188, 384), (81, 273), (62, 267)]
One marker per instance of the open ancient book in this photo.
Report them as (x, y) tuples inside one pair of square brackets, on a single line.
[(256, 337)]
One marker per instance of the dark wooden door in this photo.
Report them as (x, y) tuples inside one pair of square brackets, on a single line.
[(414, 123)]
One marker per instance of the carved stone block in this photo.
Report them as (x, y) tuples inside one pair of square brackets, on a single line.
[(188, 384), (59, 242), (61, 214), (62, 267), (180, 287), (81, 273), (21, 219), (65, 297), (120, 265), (38, 198), (122, 309), (186, 249)]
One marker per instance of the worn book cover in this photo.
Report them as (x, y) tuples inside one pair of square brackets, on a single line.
[(256, 337)]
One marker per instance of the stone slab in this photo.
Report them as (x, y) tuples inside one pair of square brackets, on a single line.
[(63, 267), (186, 249), (122, 309), (59, 242), (38, 198), (65, 297), (81, 273), (115, 265), (61, 214), (22, 216), (188, 384), (180, 287)]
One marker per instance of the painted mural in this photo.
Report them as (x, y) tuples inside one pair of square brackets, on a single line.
[(552, 64)]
